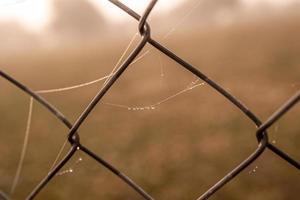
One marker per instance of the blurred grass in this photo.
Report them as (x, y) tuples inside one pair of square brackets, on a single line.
[(181, 148)]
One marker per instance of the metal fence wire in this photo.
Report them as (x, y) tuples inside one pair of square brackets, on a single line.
[(145, 32)]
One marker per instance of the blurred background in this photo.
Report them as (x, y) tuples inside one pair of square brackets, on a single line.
[(176, 149)]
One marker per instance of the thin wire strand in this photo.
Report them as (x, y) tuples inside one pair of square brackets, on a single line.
[(94, 81), (71, 87), (24, 149), (162, 71), (192, 9), (121, 58), (177, 94), (191, 86), (58, 155)]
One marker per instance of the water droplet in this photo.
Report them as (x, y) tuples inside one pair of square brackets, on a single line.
[(64, 172), (129, 108), (253, 170), (134, 109), (78, 148), (78, 161), (152, 107), (148, 108), (142, 108), (274, 141)]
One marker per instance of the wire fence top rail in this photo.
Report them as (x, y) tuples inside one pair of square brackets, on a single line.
[(73, 136)]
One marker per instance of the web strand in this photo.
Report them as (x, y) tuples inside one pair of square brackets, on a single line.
[(24, 149), (191, 86), (121, 58), (106, 78), (58, 155)]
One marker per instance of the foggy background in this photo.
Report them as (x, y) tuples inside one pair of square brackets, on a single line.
[(182, 147)]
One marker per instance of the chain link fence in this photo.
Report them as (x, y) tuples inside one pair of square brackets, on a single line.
[(145, 32)]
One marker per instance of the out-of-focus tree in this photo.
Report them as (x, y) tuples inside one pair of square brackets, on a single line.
[(76, 19)]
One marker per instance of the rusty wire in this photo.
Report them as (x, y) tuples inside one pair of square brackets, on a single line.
[(145, 32)]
